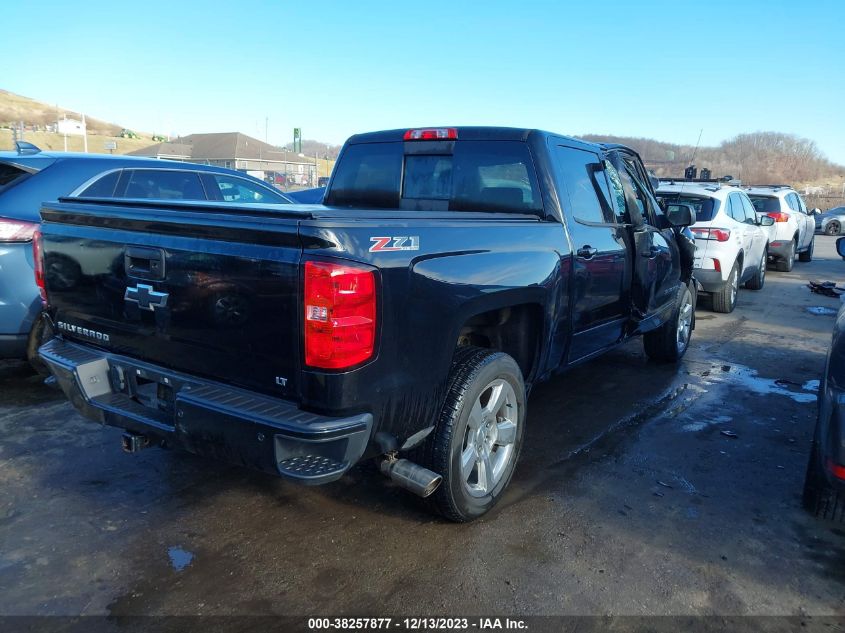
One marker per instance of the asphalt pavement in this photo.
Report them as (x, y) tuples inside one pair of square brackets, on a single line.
[(641, 490)]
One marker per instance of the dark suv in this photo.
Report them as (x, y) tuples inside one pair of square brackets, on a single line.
[(29, 177)]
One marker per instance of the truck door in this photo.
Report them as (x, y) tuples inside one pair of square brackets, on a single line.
[(599, 298), (656, 266)]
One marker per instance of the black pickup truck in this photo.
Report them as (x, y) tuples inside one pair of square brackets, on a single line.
[(406, 319)]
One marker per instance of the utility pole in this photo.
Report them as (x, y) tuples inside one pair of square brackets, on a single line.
[(84, 134)]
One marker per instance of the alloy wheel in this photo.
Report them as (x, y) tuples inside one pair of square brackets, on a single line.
[(490, 436), (684, 321)]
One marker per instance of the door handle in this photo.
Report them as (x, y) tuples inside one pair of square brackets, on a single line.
[(587, 252), (146, 263)]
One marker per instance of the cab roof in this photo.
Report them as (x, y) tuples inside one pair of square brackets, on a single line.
[(479, 133)]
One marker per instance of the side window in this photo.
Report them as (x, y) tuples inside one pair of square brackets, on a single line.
[(163, 184), (578, 171), (750, 214), (735, 209), (801, 204), (102, 187), (792, 201), (234, 189), (616, 190), (646, 204)]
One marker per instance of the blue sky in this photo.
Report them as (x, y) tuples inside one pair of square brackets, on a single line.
[(655, 69)]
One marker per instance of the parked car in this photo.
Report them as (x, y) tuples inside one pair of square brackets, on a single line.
[(794, 225), (308, 196), (450, 270), (830, 222), (824, 485), (731, 241), (29, 176)]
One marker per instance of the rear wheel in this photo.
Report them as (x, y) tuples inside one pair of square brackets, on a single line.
[(669, 342), (759, 278), (786, 263), (833, 228), (725, 300), (476, 442), (807, 256)]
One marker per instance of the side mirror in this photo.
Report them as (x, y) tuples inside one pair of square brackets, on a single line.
[(840, 246), (678, 214), (766, 221), (815, 211)]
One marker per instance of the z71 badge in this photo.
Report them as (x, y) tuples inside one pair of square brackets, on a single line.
[(382, 244)]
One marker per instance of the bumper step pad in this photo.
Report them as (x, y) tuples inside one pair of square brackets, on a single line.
[(311, 466)]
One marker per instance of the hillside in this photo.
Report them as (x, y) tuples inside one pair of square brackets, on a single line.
[(16, 108), (36, 116), (760, 157)]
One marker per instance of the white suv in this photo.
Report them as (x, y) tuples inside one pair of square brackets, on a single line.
[(795, 227), (731, 242)]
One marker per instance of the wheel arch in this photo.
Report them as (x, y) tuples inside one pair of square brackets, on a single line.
[(515, 327)]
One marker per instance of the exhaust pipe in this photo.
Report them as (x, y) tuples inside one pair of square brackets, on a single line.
[(410, 476), (132, 442)]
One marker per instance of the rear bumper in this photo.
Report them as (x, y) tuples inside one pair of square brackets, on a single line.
[(207, 418), (710, 280), (780, 249), (13, 345), (20, 303)]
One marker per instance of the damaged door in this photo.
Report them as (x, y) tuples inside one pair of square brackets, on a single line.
[(656, 263)]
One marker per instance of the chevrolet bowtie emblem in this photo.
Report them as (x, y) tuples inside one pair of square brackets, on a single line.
[(146, 297)]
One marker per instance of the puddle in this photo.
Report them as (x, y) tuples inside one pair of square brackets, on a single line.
[(700, 425), (822, 311), (179, 558), (747, 378)]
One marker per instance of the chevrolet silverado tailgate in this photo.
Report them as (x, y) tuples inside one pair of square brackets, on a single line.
[(208, 289)]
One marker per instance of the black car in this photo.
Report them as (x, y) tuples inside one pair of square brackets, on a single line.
[(824, 486)]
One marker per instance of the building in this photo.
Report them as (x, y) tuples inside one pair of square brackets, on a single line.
[(234, 150)]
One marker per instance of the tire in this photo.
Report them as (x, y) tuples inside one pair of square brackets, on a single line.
[(669, 342), (785, 264), (759, 278), (818, 498), (807, 256), (469, 431), (833, 228), (725, 300)]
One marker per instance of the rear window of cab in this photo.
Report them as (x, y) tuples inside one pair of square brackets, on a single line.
[(496, 176)]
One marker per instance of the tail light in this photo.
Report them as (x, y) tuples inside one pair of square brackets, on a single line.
[(778, 216), (16, 230), (38, 259), (432, 134), (835, 469), (340, 315), (720, 235)]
